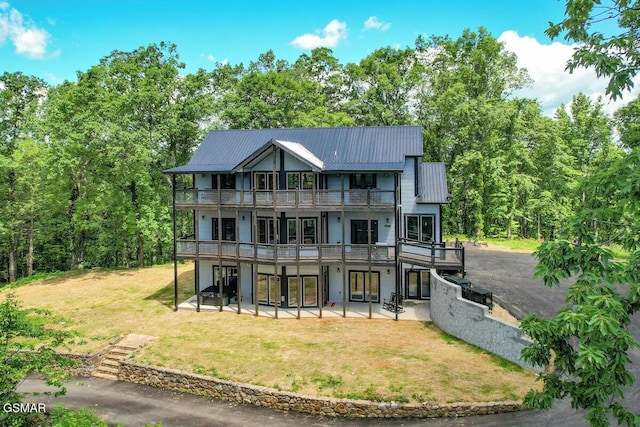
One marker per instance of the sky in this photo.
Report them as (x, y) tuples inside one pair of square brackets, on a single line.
[(55, 39)]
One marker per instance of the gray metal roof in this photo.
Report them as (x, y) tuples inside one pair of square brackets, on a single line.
[(433, 183), (339, 149)]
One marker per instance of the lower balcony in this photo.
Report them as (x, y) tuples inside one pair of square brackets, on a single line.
[(429, 255), (306, 253)]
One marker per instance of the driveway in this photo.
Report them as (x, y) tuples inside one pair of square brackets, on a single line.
[(508, 274)]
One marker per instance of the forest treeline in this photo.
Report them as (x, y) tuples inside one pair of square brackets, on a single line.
[(81, 182)]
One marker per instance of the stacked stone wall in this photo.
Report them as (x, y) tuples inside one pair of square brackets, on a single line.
[(284, 401)]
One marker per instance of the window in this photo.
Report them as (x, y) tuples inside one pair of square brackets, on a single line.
[(228, 232), (266, 230), (309, 291), (360, 287), (229, 278), (293, 292), (264, 181), (360, 232), (309, 231), (268, 291), (420, 228), (227, 181), (362, 180), (307, 228), (292, 231), (295, 178)]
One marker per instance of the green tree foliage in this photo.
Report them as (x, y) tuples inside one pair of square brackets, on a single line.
[(588, 342), (612, 52), (113, 132), (27, 344), (272, 94), (470, 125), (381, 86), (81, 164), (586, 348), (20, 96)]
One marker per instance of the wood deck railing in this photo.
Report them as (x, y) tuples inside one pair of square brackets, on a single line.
[(192, 198), (433, 255), (324, 252)]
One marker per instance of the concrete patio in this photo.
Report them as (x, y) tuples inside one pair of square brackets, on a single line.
[(413, 310)]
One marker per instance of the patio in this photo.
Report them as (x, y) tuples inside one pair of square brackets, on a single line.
[(413, 310)]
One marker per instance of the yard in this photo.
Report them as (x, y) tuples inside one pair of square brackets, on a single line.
[(405, 361)]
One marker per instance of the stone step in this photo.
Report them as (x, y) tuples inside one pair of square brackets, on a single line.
[(107, 370), (117, 355), (127, 350), (105, 376), (110, 362), (125, 347)]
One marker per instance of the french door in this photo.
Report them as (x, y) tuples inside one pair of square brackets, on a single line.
[(418, 284)]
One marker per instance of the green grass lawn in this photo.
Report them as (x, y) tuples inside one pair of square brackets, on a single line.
[(404, 361)]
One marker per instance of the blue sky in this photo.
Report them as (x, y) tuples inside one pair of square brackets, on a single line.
[(54, 39)]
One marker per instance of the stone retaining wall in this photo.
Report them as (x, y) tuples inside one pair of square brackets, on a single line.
[(87, 363), (471, 322), (170, 379)]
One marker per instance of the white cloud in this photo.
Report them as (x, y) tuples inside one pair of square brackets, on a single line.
[(552, 84), (28, 39), (373, 24), (330, 36)]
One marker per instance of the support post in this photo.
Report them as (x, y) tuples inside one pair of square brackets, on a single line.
[(175, 246)]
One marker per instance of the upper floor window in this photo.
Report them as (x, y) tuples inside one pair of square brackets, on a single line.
[(360, 231), (299, 180), (227, 181), (420, 227), (362, 180), (266, 230), (307, 226), (265, 180), (226, 232)]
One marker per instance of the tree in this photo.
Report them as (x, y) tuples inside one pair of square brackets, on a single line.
[(613, 54), (273, 95), (20, 98), (381, 87), (586, 347), (27, 344), (467, 121)]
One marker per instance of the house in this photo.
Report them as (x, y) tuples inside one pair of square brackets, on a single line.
[(304, 217)]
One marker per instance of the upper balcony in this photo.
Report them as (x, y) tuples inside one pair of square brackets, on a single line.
[(192, 198)]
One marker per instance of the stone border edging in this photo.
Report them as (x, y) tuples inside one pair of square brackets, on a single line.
[(201, 385), (175, 380)]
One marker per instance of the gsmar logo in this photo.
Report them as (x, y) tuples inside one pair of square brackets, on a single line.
[(24, 407)]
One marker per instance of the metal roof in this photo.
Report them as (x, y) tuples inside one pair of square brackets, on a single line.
[(337, 149), (299, 151), (433, 183)]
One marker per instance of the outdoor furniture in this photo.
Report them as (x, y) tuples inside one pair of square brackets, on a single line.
[(479, 295), (394, 304), (460, 281)]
